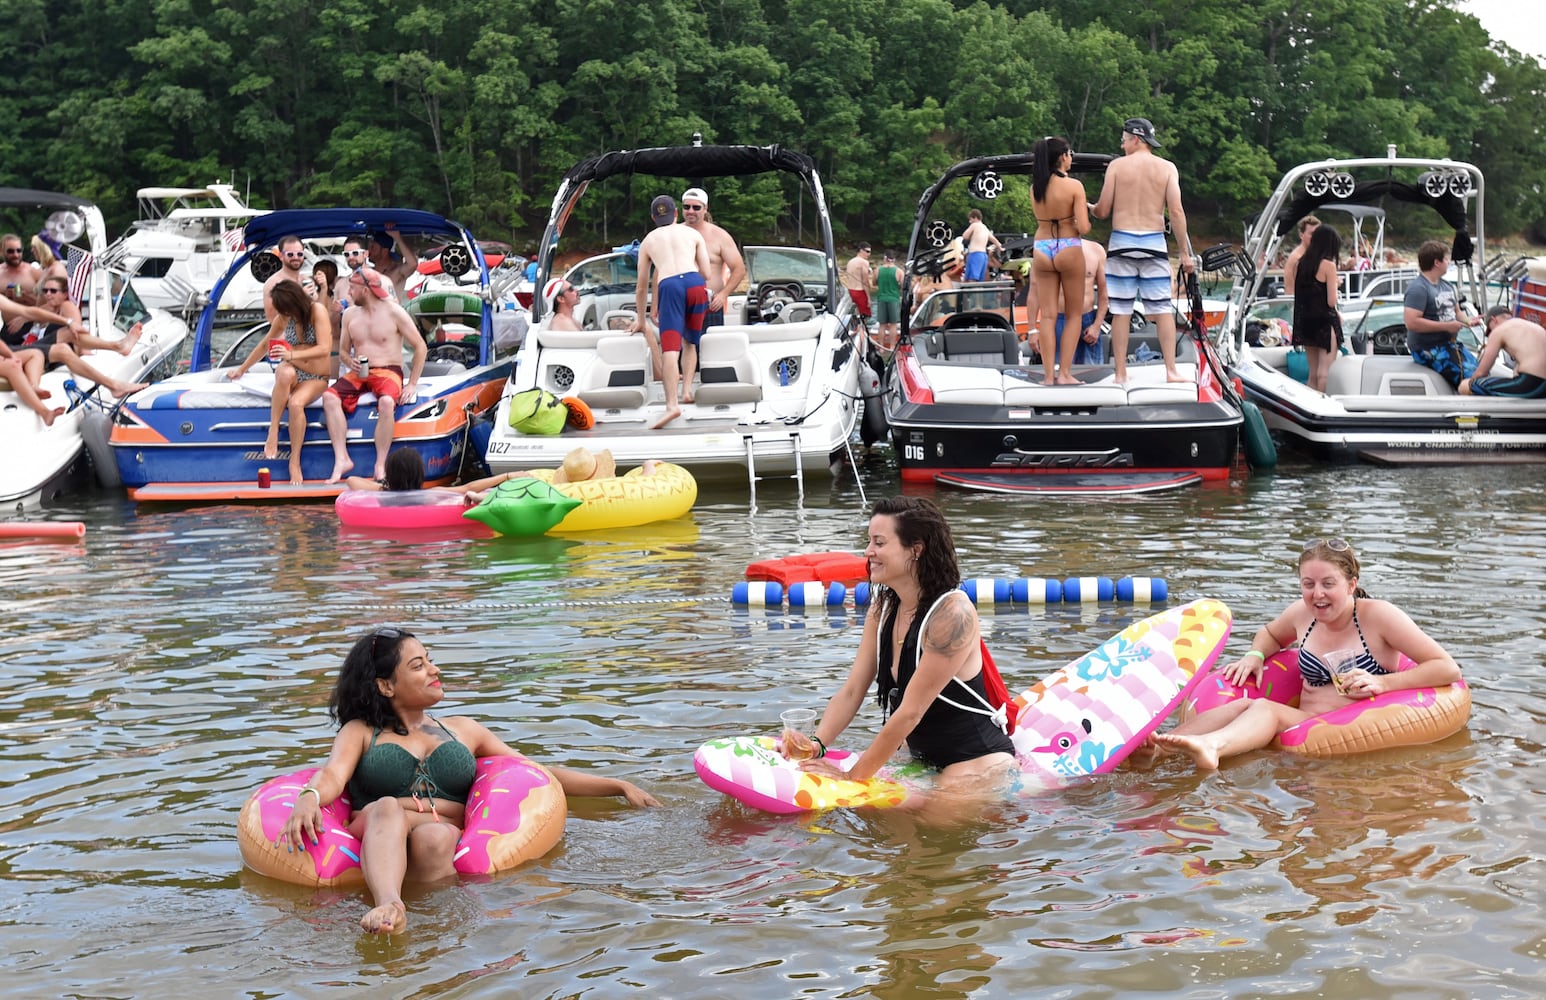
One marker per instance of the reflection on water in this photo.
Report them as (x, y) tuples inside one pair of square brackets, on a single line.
[(158, 672)]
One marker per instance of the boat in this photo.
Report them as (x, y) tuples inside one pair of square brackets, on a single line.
[(198, 436), (1380, 406), (780, 378), (965, 406), (183, 242), (43, 461)]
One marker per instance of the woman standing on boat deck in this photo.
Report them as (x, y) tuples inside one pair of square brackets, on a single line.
[(300, 343), (1317, 324), (407, 773), (922, 647), (1062, 217)]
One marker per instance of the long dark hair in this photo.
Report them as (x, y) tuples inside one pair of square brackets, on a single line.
[(404, 470), (1044, 163), (330, 271), (919, 520), (356, 696), (1324, 244), (292, 302)]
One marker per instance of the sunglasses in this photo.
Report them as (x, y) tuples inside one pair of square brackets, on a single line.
[(1334, 544), (387, 632), (354, 253), (293, 254), (53, 291), (15, 250), (692, 208)]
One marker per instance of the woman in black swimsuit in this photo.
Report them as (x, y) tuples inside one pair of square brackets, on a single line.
[(1317, 325), (922, 647), (1333, 613), (408, 774)]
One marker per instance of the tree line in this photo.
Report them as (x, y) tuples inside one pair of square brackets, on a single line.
[(474, 109)]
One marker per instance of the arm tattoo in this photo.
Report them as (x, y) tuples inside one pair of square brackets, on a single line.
[(949, 631)]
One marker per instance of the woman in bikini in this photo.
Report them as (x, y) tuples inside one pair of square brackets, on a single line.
[(1333, 613), (324, 288), (301, 368), (407, 774), (922, 648), (1062, 216)]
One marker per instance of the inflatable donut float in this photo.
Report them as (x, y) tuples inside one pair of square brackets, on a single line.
[(515, 812), (401, 508), (1408, 717)]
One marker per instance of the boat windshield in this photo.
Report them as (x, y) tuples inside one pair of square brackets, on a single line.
[(128, 309), (986, 297), (785, 264)]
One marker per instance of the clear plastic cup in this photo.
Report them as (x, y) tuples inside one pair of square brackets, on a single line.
[(798, 726), (1342, 663)]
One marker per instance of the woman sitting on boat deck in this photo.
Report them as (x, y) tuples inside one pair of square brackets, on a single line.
[(921, 646), (409, 802), (324, 288), (1333, 613), (56, 333), (302, 363)]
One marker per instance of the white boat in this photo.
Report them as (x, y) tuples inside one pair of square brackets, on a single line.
[(780, 380), (1380, 406), (184, 242), (42, 461)]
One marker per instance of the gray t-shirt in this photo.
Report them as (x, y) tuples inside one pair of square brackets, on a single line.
[(1436, 301)]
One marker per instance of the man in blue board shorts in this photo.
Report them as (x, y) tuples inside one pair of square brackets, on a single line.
[(680, 261)]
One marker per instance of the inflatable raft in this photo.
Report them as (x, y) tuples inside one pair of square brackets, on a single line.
[(533, 503), (1083, 720)]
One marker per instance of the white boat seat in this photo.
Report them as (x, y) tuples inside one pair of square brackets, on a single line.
[(728, 369), (796, 312), (973, 386), (615, 320), (1019, 393), (979, 346), (1382, 375), (572, 339), (619, 376), (1166, 392)]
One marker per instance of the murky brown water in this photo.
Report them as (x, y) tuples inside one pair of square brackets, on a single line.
[(155, 674)]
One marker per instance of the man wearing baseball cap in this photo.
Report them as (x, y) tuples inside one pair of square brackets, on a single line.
[(558, 298), (727, 269), (859, 279), (1139, 189), (680, 261)]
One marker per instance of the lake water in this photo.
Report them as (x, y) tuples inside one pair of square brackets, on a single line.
[(158, 672)]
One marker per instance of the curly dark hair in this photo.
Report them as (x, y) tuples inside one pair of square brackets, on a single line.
[(919, 520), (374, 656)]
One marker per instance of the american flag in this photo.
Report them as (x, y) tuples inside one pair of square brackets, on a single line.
[(78, 264), (235, 239)]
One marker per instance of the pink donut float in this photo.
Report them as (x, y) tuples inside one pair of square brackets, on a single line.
[(401, 509), (1408, 717), (515, 812)]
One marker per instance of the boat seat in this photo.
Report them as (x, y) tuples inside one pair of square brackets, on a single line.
[(728, 369), (1385, 375), (442, 368), (618, 319), (619, 376), (974, 386), (1057, 397), (796, 312), (979, 346), (572, 339)]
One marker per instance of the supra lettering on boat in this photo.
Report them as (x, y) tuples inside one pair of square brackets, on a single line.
[(1064, 460)]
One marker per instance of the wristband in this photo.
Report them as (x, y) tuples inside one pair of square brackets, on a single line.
[(1256, 653), (313, 791), (818, 742)]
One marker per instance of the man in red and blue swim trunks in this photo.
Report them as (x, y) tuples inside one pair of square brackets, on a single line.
[(680, 261)]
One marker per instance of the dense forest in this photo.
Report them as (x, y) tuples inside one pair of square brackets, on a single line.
[(475, 108)]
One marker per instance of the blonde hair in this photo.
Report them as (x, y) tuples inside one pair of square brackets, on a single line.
[(42, 252)]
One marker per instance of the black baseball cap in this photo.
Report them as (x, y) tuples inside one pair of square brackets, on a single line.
[(1142, 128)]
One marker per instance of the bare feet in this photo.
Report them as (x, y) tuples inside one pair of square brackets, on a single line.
[(125, 389), (1171, 375), (671, 414), (131, 338), (389, 918), (1120, 378), (271, 444), (1147, 752), (49, 416), (341, 468), (45, 394), (1201, 749), (296, 479), (1068, 380), (687, 400)]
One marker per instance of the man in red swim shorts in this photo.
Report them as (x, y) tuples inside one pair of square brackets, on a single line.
[(372, 341), (680, 261)]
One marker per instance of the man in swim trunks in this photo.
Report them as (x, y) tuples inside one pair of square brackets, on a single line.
[(1139, 189), (727, 269), (978, 237), (859, 279), (371, 339), (1525, 343), (1431, 311), (680, 261), (1088, 350), (1307, 227)]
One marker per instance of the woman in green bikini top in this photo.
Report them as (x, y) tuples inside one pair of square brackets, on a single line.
[(407, 774)]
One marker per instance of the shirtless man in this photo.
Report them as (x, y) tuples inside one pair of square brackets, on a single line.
[(560, 297), (1139, 189), (727, 269), (397, 270), (680, 261), (1087, 351), (374, 331), (859, 279), (978, 237), (42, 341), (1525, 342), (18, 276), (1307, 227), (292, 255)]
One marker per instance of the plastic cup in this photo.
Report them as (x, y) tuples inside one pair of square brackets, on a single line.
[(1342, 663), (798, 725), (273, 348)]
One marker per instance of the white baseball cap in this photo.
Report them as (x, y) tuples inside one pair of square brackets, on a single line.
[(550, 292), (696, 194)]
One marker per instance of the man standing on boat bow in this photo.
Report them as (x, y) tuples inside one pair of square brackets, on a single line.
[(1139, 189)]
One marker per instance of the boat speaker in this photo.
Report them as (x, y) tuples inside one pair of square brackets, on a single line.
[(938, 233), (1317, 184), (265, 265), (1460, 184), (987, 185), (64, 226), (1434, 184), (455, 260), (1342, 185)]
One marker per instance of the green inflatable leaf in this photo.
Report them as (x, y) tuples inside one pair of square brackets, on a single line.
[(523, 507)]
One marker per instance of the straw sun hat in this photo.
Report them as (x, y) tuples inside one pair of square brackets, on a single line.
[(580, 465)]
